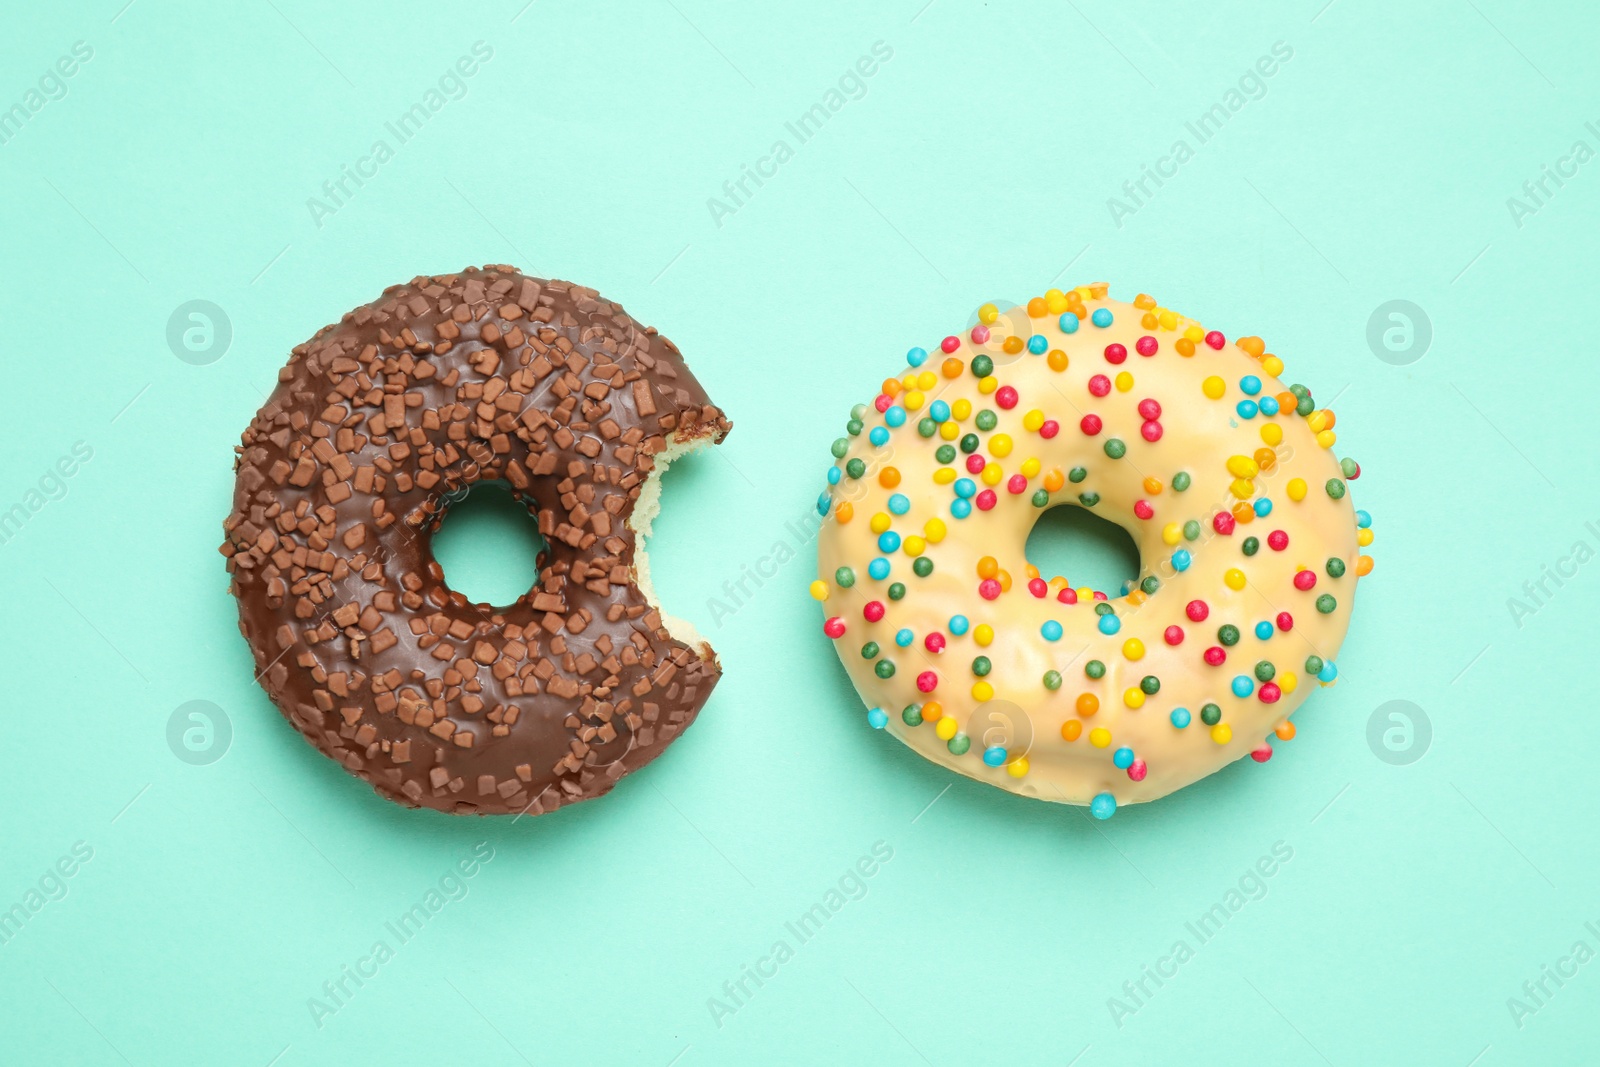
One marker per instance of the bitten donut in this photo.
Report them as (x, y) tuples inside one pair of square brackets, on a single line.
[(1226, 480), (345, 473)]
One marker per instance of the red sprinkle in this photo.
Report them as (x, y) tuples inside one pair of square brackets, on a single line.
[(1115, 353), (985, 500), (1137, 770), (950, 344), (1277, 540), (1215, 339), (1269, 692), (1038, 587), (934, 642), (1090, 424), (1143, 510), (1068, 596), (1151, 431), (1146, 345), (1016, 483), (1006, 397), (1197, 610), (1262, 754), (1304, 580), (834, 627), (1099, 385), (927, 682), (1174, 635), (1285, 621), (1049, 428), (975, 464), (989, 589), (1223, 523), (980, 334), (1149, 409), (1215, 656), (883, 403), (873, 611)]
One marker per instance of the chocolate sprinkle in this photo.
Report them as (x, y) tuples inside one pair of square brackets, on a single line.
[(378, 423)]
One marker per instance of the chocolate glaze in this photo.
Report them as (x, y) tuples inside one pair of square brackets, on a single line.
[(377, 423)]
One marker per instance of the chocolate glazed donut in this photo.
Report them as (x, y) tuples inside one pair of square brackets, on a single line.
[(376, 425)]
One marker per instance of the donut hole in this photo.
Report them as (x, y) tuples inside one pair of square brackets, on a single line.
[(489, 545), (1087, 550)]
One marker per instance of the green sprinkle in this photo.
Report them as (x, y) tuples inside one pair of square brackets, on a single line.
[(1052, 680), (1040, 498), (1089, 500), (946, 454), (911, 715), (1228, 634), (1211, 715), (958, 745), (1191, 530), (1299, 391), (897, 591), (883, 669), (981, 666), (1102, 608), (922, 566), (1264, 671), (1335, 567), (1335, 488), (856, 467), (927, 427), (1350, 467), (1306, 405), (969, 443), (1150, 684), (986, 420), (1116, 449), (1180, 481), (1076, 475), (1150, 585), (1251, 546), (1326, 603), (1095, 669), (869, 650), (854, 427), (844, 577), (1313, 665), (840, 447), (982, 366)]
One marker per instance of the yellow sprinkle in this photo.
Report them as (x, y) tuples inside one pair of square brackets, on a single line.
[(1055, 301), (1171, 533), (934, 529), (1133, 648), (1287, 681), (982, 691), (949, 430), (961, 408), (913, 400), (1242, 488), (945, 727), (1194, 332), (1272, 433), (1134, 697), (1243, 467), (988, 385), (1168, 318), (988, 314), (927, 380), (1085, 594), (1030, 469), (1017, 767), (1123, 382), (1000, 445), (1318, 421), (983, 633), (1364, 537), (944, 476), (1326, 438), (1272, 365), (1222, 733), (1033, 420), (1296, 489), (819, 590), (914, 545), (1214, 387), (909, 381), (1099, 737), (880, 522), (1233, 578), (991, 474)]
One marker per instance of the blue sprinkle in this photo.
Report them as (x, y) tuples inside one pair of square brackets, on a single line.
[(1104, 805), (939, 411), (1263, 508), (1250, 385), (917, 357), (966, 488), (960, 508), (1068, 323), (823, 503), (879, 436), (1263, 630), (895, 416), (1037, 344), (877, 718), (1268, 405), (1179, 717), (1110, 624), (1328, 673), (888, 541), (958, 624), (899, 503), (1363, 520), (1051, 630), (995, 756), (834, 474), (1123, 758), (904, 638), (1101, 317), (1243, 686), (878, 569), (1246, 409), (1181, 559)]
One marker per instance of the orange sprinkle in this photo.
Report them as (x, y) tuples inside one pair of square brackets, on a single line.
[(1013, 344), (1037, 307), (1363, 566), (889, 477), (1184, 346), (1071, 730), (932, 711), (1266, 458), (1087, 704), (892, 386), (1284, 730), (1243, 513), (1054, 480), (1149, 321), (1057, 359), (988, 567), (845, 512), (1144, 301), (1005, 581), (1152, 486), (1253, 345), (1033, 572), (952, 367)]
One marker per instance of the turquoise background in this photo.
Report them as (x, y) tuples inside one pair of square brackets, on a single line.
[(977, 165)]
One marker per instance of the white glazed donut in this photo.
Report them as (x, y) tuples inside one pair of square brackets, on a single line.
[(1226, 480)]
